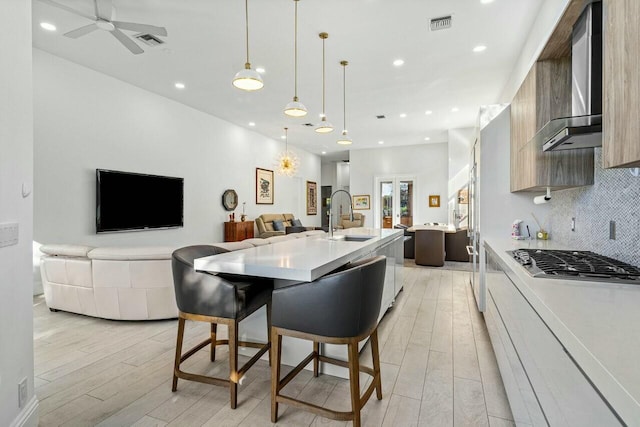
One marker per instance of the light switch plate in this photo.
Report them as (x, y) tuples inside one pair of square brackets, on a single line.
[(8, 234)]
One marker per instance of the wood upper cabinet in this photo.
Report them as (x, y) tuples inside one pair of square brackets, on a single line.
[(544, 95), (621, 84)]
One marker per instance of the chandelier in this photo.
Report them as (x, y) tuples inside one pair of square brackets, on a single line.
[(288, 162)]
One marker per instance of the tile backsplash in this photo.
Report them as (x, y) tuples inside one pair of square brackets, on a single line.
[(614, 196)]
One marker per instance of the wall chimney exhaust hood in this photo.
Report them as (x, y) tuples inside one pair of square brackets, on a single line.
[(584, 128)]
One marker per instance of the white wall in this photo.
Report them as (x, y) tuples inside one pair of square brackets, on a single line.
[(459, 146), (498, 206), (428, 162), (86, 120), (16, 169)]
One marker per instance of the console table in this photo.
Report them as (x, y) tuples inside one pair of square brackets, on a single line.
[(238, 230)]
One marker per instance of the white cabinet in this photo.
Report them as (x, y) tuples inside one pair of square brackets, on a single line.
[(543, 383)]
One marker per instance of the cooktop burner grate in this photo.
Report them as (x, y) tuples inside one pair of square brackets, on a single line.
[(575, 264)]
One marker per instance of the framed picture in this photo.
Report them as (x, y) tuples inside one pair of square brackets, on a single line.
[(312, 198), (362, 202), (434, 201), (264, 187)]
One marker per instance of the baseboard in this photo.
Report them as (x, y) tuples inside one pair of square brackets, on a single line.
[(28, 417)]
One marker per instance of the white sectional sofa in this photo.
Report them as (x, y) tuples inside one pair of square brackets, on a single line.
[(120, 283)]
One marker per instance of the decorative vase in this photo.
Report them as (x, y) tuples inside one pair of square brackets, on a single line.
[(243, 217)]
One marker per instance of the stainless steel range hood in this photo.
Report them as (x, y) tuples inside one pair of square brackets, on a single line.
[(584, 128)]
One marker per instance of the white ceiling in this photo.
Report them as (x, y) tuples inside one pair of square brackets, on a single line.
[(205, 48)]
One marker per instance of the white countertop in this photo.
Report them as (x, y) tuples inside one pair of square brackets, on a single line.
[(303, 259), (448, 228), (597, 322)]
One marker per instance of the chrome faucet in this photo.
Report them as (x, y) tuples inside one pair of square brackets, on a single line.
[(331, 210)]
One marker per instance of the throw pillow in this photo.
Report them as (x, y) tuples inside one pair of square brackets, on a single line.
[(278, 225), (296, 223)]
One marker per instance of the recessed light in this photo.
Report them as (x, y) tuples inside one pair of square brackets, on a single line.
[(321, 115), (324, 152), (252, 124), (479, 48), (398, 62), (179, 85), (403, 115), (486, 1), (428, 112), (427, 139), (380, 142), (260, 70), (47, 26), (455, 109), (283, 137)]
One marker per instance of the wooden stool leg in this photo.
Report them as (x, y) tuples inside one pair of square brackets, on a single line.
[(354, 381), (214, 331), (269, 329), (316, 361), (376, 362), (233, 363), (176, 364), (276, 353)]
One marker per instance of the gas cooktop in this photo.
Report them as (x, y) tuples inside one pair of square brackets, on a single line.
[(581, 265)]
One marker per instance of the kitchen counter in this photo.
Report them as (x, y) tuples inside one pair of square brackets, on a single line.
[(302, 260), (598, 323)]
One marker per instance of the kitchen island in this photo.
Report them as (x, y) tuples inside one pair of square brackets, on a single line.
[(304, 260), (568, 350)]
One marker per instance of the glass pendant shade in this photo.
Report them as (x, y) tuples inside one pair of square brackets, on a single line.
[(248, 79), (295, 108), (344, 139), (324, 126)]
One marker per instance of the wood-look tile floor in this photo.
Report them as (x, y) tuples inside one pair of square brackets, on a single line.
[(438, 369)]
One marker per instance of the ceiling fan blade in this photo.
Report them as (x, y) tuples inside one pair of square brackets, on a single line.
[(79, 32), (68, 9), (143, 28), (127, 42)]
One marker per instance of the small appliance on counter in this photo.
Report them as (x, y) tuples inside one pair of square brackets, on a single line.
[(516, 233)]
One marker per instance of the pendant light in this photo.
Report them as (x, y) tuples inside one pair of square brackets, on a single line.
[(295, 108), (287, 161), (344, 139), (324, 126), (247, 79)]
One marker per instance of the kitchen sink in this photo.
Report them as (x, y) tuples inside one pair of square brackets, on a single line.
[(352, 237)]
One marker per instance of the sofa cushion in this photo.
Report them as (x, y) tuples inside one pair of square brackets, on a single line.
[(272, 217), (66, 250), (288, 216), (296, 223), (286, 223), (350, 224), (278, 225), (131, 253), (268, 226)]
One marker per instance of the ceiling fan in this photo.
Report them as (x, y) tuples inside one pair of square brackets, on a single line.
[(102, 20)]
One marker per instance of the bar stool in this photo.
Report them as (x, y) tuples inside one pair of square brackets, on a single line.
[(430, 248), (216, 299), (340, 308)]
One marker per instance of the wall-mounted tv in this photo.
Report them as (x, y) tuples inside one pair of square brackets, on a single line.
[(128, 201)]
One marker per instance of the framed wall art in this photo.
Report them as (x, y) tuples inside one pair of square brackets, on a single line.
[(434, 201), (264, 187), (312, 198), (361, 202)]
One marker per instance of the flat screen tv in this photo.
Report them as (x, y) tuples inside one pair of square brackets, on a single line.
[(128, 201)]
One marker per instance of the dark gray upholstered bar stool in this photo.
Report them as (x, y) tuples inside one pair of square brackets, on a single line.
[(340, 308), (430, 247), (216, 299)]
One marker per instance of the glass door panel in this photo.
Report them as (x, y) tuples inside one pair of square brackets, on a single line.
[(406, 202), (386, 196)]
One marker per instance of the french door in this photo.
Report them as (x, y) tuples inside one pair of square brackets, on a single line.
[(394, 201)]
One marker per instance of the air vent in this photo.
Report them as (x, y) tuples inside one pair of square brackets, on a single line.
[(381, 116), (308, 125), (441, 23), (149, 39)]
